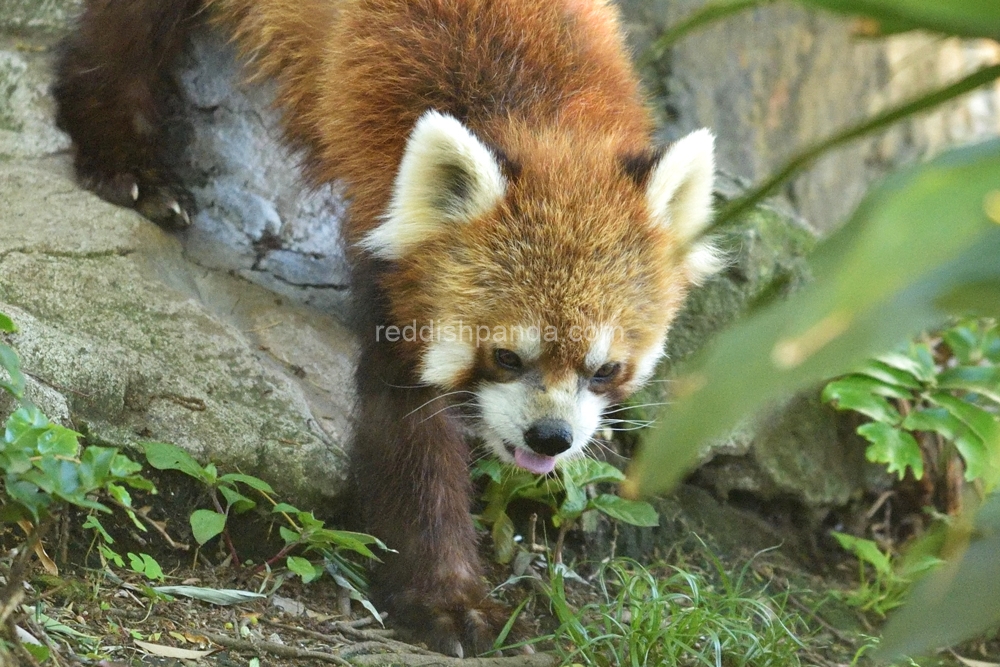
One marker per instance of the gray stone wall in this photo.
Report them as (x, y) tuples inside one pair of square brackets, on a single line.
[(775, 79)]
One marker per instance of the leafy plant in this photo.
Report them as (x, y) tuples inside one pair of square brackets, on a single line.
[(884, 581), (922, 247), (565, 494), (938, 399), (45, 469), (303, 532), (675, 617)]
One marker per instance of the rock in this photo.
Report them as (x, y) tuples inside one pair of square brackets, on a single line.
[(37, 16), (140, 344), (253, 215), (26, 108), (803, 451), (800, 452), (765, 252), (774, 79)]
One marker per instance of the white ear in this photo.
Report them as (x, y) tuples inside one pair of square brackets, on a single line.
[(679, 196), (446, 176)]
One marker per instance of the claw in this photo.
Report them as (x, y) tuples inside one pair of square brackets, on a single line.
[(135, 192)]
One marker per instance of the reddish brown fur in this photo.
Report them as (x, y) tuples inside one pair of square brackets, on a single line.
[(549, 84)]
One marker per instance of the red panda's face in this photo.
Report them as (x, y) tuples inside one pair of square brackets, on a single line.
[(540, 284)]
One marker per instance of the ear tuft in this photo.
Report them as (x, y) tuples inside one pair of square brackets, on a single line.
[(679, 191), (679, 196), (446, 176)]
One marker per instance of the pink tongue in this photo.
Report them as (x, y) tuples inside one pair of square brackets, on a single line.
[(536, 463)]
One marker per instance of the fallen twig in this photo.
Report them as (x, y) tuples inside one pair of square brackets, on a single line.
[(349, 630), (155, 525), (410, 660), (279, 650)]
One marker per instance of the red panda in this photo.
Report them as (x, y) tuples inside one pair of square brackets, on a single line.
[(507, 204)]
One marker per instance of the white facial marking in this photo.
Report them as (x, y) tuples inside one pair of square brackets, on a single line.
[(445, 362), (600, 347), (527, 342), (446, 176), (511, 408), (645, 365)]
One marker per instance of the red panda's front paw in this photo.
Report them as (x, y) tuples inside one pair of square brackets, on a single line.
[(166, 205), (455, 627)]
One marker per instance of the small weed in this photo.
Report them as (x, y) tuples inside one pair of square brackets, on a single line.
[(883, 584), (303, 532), (677, 618), (569, 495)]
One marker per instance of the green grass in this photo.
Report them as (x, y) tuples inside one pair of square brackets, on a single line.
[(645, 619)]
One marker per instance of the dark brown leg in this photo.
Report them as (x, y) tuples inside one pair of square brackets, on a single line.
[(113, 75), (411, 470)]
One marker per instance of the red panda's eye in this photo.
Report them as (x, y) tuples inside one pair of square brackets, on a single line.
[(607, 371), (507, 359)]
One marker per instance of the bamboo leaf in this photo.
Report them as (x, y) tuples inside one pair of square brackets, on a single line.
[(970, 18)]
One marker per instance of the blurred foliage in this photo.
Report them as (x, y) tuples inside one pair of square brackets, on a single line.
[(922, 247)]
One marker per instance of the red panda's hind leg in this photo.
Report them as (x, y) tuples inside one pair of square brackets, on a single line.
[(112, 79)]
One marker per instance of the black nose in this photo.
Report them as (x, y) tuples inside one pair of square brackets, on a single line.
[(549, 437)]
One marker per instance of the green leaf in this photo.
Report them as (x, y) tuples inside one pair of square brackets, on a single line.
[(289, 535), (123, 467), (6, 324), (979, 297), (251, 481), (206, 524), (877, 282), (110, 555), (866, 551), (958, 601), (909, 365), (982, 380), (634, 512), (38, 652), (977, 457), (705, 15), (969, 18), (847, 395), (888, 375), (304, 568), (164, 456), (95, 466), (94, 524), (898, 449), (146, 565), (488, 467), (963, 343), (236, 500), (285, 508), (576, 498), (504, 546), (10, 362), (983, 423), (585, 470)]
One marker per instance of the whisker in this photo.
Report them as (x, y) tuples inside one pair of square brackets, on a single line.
[(633, 407), (436, 398), (447, 407)]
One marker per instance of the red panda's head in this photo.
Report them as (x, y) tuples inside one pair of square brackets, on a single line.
[(540, 278)]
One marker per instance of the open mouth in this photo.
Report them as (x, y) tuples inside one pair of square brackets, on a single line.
[(530, 461)]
